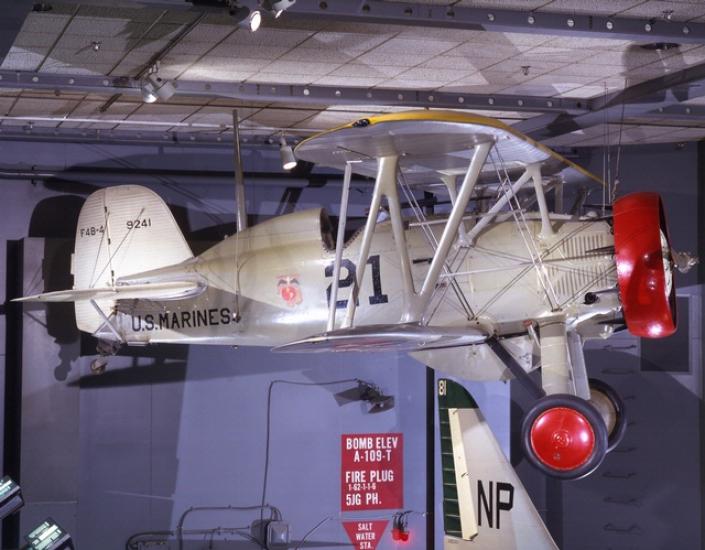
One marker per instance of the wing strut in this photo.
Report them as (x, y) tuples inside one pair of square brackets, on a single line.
[(450, 232), (385, 185), (546, 229), (106, 322), (415, 304), (339, 243)]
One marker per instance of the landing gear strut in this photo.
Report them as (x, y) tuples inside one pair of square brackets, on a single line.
[(611, 408)]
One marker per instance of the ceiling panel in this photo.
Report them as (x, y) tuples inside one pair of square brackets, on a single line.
[(279, 117), (220, 115), (307, 54), (351, 43), (441, 76), (48, 22), (325, 120), (364, 82), (41, 107), (361, 70), (156, 112), (290, 51), (578, 43), (278, 78), (460, 62), (235, 52), (681, 11), (21, 59), (267, 36), (506, 4), (95, 27), (209, 74), (589, 7), (5, 104), (119, 110), (683, 134)]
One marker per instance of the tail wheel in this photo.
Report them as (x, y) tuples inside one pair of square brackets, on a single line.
[(611, 408), (564, 436)]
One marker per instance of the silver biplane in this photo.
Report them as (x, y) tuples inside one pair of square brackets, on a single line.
[(499, 286)]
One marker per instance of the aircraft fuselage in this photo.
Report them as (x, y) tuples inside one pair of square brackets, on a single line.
[(271, 284)]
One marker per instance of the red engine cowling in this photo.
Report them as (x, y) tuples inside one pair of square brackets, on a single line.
[(644, 273)]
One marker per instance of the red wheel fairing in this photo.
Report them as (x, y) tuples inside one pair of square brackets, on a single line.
[(564, 436), (643, 257)]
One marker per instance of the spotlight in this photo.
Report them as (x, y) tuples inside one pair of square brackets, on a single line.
[(10, 497), (246, 19), (49, 536), (365, 391), (277, 7), (154, 88), (287, 155)]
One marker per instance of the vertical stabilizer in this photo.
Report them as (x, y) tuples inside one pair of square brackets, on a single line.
[(121, 230), (485, 505)]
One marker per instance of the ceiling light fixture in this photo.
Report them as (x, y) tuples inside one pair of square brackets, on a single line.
[(277, 7), (154, 87), (287, 154), (247, 19)]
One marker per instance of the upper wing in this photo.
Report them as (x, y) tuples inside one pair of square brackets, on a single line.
[(431, 145)]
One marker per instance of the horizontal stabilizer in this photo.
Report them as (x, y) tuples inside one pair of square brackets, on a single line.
[(396, 337), (168, 290)]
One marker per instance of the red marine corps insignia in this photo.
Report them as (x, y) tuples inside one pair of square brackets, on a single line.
[(289, 290)]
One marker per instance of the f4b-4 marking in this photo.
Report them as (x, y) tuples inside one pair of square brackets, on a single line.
[(92, 231), (376, 298)]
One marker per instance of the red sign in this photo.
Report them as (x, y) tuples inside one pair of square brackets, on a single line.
[(365, 535), (372, 471)]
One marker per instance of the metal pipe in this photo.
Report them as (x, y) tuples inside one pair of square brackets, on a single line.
[(240, 205), (367, 235), (109, 176), (158, 124), (340, 242)]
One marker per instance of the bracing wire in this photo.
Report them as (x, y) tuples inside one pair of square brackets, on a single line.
[(527, 237), (619, 157), (433, 242)]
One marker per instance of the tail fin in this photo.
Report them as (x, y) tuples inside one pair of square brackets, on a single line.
[(485, 505), (121, 230)]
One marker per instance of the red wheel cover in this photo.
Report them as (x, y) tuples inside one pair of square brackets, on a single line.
[(562, 438), (638, 222)]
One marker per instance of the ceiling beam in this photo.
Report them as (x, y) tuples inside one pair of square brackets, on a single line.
[(300, 94), (495, 20), (662, 95), (13, 15)]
